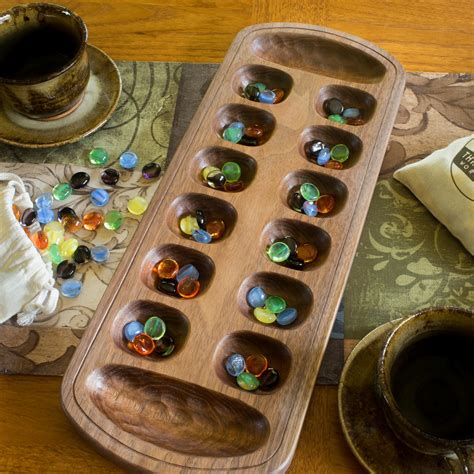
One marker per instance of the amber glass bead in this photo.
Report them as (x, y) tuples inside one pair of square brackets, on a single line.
[(334, 165), (71, 223), (216, 228), (16, 212), (40, 240), (166, 268), (325, 204), (92, 220), (279, 95), (188, 287), (254, 131), (307, 252), (256, 364), (143, 344)]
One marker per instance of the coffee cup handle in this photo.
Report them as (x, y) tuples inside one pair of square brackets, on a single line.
[(462, 461)]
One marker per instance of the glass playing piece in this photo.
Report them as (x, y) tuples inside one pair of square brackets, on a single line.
[(45, 215), (188, 287), (71, 288), (279, 95), (278, 252), (92, 220), (110, 176), (269, 379), (307, 252), (165, 346), (216, 179), (100, 253), (155, 327), (40, 240), (260, 85), (312, 148), (188, 270), (264, 315), (337, 118), (234, 187), (82, 254), (355, 121), (132, 329), (64, 211), (61, 191), (98, 156), (201, 219), (310, 208), (256, 364), (247, 381), (216, 228), (323, 156), (287, 316), (188, 224), (233, 134), (296, 201), (128, 160), (205, 171), (79, 180), (340, 153), (143, 344), (16, 212), (325, 203), (291, 242), (137, 205), (166, 268), (351, 112), (151, 171), (275, 304), (309, 191), (335, 165), (333, 106), (202, 236), (231, 171), (54, 254), (68, 247), (235, 364), (294, 262), (253, 131), (251, 92), (168, 285), (249, 141), (55, 232), (66, 269), (113, 220), (71, 223), (99, 197), (256, 297), (44, 200), (28, 217), (267, 97)]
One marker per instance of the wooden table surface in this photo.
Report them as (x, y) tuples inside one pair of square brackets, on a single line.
[(430, 35)]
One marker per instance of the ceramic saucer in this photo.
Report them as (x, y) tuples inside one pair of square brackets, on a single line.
[(100, 99), (363, 421)]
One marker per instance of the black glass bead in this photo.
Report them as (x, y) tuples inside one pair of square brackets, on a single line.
[(151, 171), (82, 254), (28, 217), (313, 148), (248, 141), (79, 180), (168, 285), (110, 176), (251, 92), (165, 346), (66, 269), (333, 106), (294, 262), (201, 219), (269, 379), (291, 242), (64, 211), (296, 201), (216, 180)]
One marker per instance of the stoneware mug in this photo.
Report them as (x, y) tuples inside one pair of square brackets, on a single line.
[(447, 396), (44, 68)]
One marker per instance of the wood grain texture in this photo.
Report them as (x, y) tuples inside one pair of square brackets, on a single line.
[(34, 433)]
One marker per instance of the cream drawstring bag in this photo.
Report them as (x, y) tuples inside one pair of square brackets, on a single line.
[(26, 281)]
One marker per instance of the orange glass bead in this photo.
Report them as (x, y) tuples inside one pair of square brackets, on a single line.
[(92, 220), (16, 211), (307, 252), (279, 95), (130, 345), (234, 187), (27, 231), (143, 344), (355, 121), (216, 228), (188, 287), (256, 364), (334, 165), (40, 240), (166, 268), (325, 204), (255, 131), (71, 223)]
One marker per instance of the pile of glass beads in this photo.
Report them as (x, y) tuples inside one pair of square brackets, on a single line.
[(252, 372), (259, 92), (238, 132), (321, 154), (270, 309), (308, 200), (226, 178), (148, 338), (288, 252), (200, 229), (175, 281), (335, 111)]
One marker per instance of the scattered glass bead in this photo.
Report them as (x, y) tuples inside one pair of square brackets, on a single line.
[(231, 171), (188, 224), (335, 165), (55, 232), (326, 203), (333, 106), (235, 364), (45, 215), (132, 329), (165, 346), (100, 253), (66, 269), (267, 97), (309, 192), (128, 160), (340, 153), (337, 118), (287, 317), (143, 344), (137, 205), (188, 270), (256, 297), (256, 364), (55, 254), (98, 156), (71, 223), (110, 176), (168, 285), (82, 254), (351, 113), (71, 288), (247, 381), (61, 191), (275, 304), (166, 268), (113, 220), (216, 228), (307, 252), (79, 180), (264, 315), (16, 212), (151, 171), (155, 327), (269, 379), (202, 236), (28, 217), (92, 220), (44, 200), (188, 287), (40, 240), (296, 201), (278, 252), (65, 211), (68, 247), (201, 219), (99, 197), (310, 208), (323, 156)]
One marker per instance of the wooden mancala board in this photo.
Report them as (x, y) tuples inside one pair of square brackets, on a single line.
[(184, 411)]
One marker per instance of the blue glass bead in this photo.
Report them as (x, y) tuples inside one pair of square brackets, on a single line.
[(131, 329), (310, 208), (256, 297), (100, 253), (45, 215), (187, 271), (267, 97), (237, 125), (202, 236), (128, 160), (44, 200), (71, 288), (235, 365), (351, 113), (323, 156), (287, 316), (100, 197)]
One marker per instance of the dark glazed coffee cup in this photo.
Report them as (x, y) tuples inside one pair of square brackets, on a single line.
[(27, 85), (416, 328)]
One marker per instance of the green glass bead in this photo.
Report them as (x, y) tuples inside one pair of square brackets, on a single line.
[(275, 304), (155, 327), (247, 381), (260, 85), (55, 254), (278, 252), (233, 134), (113, 220), (337, 118), (264, 315), (231, 171), (309, 191), (98, 156), (340, 153), (61, 191)]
